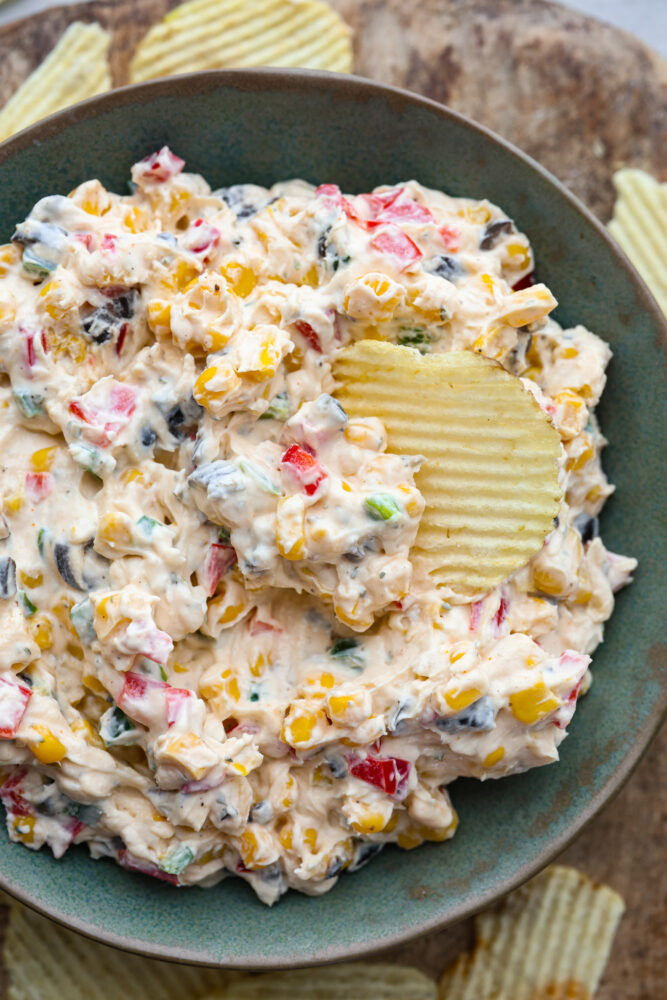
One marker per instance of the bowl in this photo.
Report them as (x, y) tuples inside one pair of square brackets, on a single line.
[(260, 126)]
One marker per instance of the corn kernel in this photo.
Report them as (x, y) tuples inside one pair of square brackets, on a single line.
[(115, 530), (242, 279), (248, 847), (42, 459), (49, 749), (327, 680), (520, 255), (409, 839), (493, 757), (233, 688), (13, 504), (478, 214), (31, 580), (310, 838), (373, 296), (131, 476), (41, 631), (92, 683), (300, 728), (158, 316), (549, 582), (458, 700), (533, 704), (285, 837), (74, 650), (88, 731), (290, 527), (369, 822), (24, 827), (528, 305), (226, 381)]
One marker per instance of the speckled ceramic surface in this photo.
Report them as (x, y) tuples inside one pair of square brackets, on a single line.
[(262, 126)]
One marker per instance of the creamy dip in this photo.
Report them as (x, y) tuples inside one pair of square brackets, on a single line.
[(216, 655)]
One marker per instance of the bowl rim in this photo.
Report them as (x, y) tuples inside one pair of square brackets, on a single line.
[(261, 79)]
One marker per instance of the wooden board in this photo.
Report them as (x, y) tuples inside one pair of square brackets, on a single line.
[(583, 98)]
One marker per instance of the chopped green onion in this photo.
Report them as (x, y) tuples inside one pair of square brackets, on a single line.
[(223, 535), (416, 337), (177, 860), (26, 604), (91, 459), (383, 507), (254, 472), (148, 524), (278, 408), (163, 673), (350, 651), (37, 266), (42, 535)]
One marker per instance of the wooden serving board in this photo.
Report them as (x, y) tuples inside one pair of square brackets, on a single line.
[(583, 98)]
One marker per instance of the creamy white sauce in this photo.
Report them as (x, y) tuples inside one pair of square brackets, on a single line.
[(216, 653)]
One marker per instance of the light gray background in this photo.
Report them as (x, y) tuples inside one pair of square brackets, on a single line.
[(645, 18)]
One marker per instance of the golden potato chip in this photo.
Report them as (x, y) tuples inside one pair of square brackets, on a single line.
[(75, 69), (490, 472), (639, 225), (46, 962), (352, 981), (213, 34), (549, 940)]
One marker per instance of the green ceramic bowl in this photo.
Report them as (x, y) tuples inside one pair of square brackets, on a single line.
[(262, 126)]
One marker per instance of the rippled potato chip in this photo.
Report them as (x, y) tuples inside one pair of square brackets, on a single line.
[(47, 962), (490, 474), (213, 34), (75, 69), (352, 981), (549, 940), (639, 225)]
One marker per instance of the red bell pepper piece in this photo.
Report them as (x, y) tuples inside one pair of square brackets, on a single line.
[(176, 699), (303, 467), (160, 166), (501, 614), (332, 194), (14, 698), (388, 773), (525, 282), (142, 697), (106, 418), (39, 485), (397, 244), (450, 237), (219, 558), (132, 864), (307, 332), (109, 242), (11, 797), (475, 614), (202, 236)]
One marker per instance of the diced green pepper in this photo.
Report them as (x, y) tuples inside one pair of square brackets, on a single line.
[(116, 729), (148, 524), (177, 860), (383, 507), (278, 408), (350, 651), (37, 266), (27, 606), (254, 472), (82, 617), (29, 403)]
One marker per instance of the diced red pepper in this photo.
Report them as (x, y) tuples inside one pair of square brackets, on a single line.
[(391, 774), (450, 237), (219, 558), (121, 338), (160, 166), (475, 614), (30, 337), (303, 467), (106, 419), (14, 698), (109, 242), (85, 238), (176, 699), (11, 797), (257, 627), (141, 697), (332, 194), (132, 864), (307, 332), (397, 244), (501, 614), (39, 485), (202, 236), (525, 282)]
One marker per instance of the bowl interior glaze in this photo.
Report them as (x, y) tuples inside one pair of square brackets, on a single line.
[(262, 126)]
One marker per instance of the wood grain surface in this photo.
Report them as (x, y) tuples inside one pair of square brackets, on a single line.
[(583, 98)]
